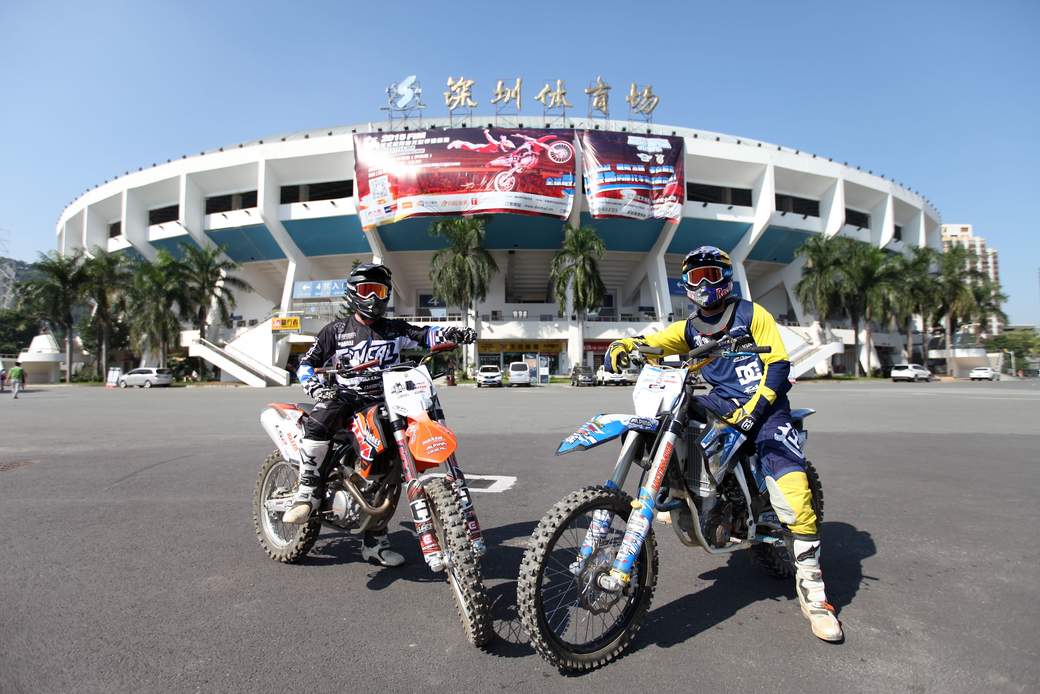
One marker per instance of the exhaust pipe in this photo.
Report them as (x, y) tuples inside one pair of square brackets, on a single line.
[(368, 508)]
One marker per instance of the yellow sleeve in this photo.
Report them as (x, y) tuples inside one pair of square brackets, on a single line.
[(776, 365), (672, 339)]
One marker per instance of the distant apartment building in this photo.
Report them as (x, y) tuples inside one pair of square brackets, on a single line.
[(986, 260)]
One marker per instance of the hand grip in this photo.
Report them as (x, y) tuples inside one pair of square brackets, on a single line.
[(703, 349), (759, 350)]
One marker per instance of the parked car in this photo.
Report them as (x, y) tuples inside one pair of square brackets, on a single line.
[(489, 375), (984, 373), (910, 373), (146, 378), (631, 374), (519, 373), (582, 376), (604, 377)]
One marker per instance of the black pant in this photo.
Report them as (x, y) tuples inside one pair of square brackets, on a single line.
[(329, 416)]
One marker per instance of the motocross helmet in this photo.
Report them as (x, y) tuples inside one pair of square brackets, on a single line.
[(707, 275), (368, 290)]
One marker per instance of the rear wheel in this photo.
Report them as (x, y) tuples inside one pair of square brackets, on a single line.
[(147, 384), (574, 624), (775, 559), (467, 587), (284, 542)]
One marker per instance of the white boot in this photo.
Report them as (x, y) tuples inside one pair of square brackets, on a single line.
[(306, 501), (376, 548), (811, 595)]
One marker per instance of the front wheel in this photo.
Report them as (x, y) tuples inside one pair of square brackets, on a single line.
[(775, 559), (467, 587), (275, 486), (574, 624)]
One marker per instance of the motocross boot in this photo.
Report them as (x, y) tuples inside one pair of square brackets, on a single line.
[(376, 548), (306, 501), (811, 595)]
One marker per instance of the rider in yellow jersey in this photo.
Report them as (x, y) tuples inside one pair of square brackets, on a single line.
[(750, 392)]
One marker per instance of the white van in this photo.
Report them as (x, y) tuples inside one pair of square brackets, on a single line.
[(519, 373)]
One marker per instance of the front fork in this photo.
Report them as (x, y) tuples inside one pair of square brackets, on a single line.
[(418, 504), (457, 480)]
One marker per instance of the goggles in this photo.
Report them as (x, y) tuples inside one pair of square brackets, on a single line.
[(367, 290), (710, 274)]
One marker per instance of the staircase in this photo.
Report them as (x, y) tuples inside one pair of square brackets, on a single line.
[(805, 355), (234, 361)]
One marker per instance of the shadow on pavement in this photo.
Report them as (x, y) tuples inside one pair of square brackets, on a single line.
[(739, 584)]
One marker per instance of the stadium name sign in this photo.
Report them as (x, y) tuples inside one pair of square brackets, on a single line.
[(405, 97)]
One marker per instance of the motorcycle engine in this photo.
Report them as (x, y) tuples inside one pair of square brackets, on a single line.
[(345, 509)]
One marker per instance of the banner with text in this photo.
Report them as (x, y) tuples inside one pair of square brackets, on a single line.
[(463, 171), (634, 176)]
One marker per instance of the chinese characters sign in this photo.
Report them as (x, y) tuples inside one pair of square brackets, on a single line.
[(633, 176), (463, 171)]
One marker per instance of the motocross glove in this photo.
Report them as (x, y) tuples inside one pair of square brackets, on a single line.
[(616, 358), (746, 419), (462, 336), (324, 393)]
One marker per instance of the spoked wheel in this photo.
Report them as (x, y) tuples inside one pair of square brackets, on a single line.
[(775, 559), (573, 623), (275, 487), (467, 587), (504, 181)]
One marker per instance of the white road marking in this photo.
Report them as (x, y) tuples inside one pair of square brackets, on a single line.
[(499, 483)]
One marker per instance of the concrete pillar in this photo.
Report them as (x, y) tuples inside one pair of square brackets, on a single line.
[(832, 208), (135, 224), (882, 222)]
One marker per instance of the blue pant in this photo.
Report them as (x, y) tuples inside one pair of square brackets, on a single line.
[(781, 461)]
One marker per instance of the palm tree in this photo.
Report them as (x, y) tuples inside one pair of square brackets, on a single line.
[(207, 283), (106, 279), (955, 276), (153, 297), (575, 271), (461, 272), (989, 302), (869, 277), (55, 293), (914, 294), (819, 288)]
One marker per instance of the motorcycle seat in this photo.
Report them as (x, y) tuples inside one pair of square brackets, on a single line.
[(801, 413)]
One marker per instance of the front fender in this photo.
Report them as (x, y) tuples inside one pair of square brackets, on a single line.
[(603, 428)]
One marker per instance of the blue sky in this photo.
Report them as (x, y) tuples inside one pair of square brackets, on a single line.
[(941, 95)]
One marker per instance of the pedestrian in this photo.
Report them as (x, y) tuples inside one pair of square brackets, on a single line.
[(3, 377), (17, 378)]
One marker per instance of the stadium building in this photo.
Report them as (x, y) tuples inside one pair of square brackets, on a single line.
[(284, 208)]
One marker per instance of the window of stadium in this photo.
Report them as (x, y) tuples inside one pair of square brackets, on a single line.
[(308, 192), (115, 229), (796, 205), (856, 218), (899, 233), (721, 195), (161, 215), (231, 201)]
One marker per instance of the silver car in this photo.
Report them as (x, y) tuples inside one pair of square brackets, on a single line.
[(146, 378), (911, 373)]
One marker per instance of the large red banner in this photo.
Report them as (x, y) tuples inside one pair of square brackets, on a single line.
[(634, 176), (463, 171)]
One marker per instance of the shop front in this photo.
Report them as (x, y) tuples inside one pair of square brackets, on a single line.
[(501, 352), (593, 351)]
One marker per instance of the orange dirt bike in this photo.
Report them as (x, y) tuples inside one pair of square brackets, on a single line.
[(398, 441)]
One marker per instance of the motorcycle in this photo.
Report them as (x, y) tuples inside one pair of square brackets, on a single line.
[(589, 573), (398, 441), (525, 157)]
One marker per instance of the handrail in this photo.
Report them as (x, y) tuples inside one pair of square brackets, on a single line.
[(244, 360)]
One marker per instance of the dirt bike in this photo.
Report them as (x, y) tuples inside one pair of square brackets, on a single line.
[(397, 441), (589, 573), (525, 157)]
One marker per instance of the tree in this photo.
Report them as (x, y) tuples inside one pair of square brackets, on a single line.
[(206, 285), (575, 271), (18, 326), (819, 288), (914, 293), (106, 278), (955, 276), (461, 272), (1021, 343), (55, 293), (989, 302), (152, 302), (868, 278)]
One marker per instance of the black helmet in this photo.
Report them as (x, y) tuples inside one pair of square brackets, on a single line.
[(368, 290)]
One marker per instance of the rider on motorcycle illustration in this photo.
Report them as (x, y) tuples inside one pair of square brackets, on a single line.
[(751, 394), (492, 146), (364, 336)]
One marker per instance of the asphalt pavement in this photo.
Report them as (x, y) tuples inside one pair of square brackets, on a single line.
[(128, 561)]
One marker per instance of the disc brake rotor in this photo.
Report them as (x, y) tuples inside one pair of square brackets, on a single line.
[(590, 595)]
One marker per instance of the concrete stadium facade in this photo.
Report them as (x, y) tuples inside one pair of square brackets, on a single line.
[(284, 209)]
